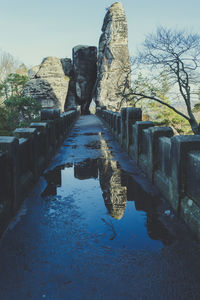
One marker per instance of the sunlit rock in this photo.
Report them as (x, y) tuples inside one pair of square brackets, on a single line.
[(113, 59), (33, 71), (49, 85)]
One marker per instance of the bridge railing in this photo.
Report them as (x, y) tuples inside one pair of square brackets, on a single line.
[(171, 162), (26, 154)]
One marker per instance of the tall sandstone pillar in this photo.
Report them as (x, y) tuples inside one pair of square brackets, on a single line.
[(113, 59), (85, 70)]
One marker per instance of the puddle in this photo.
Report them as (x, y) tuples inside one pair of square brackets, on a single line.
[(96, 145), (118, 213), (92, 133)]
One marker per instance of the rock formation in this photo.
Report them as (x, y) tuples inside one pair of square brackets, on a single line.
[(49, 84), (65, 83), (85, 70), (113, 58), (33, 71), (69, 71)]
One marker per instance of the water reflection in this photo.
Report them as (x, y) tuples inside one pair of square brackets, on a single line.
[(86, 169), (117, 187), (114, 193), (54, 180)]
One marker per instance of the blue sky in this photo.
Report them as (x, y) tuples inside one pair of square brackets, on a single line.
[(32, 30)]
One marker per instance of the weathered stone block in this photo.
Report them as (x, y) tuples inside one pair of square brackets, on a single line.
[(190, 212), (193, 176), (43, 129), (5, 191), (132, 115), (137, 130), (181, 146), (10, 145), (50, 114), (162, 176), (153, 135), (123, 126), (31, 135)]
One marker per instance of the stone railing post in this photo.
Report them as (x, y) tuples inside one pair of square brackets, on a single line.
[(132, 115), (154, 133), (123, 126), (137, 129), (10, 146), (181, 146), (31, 135)]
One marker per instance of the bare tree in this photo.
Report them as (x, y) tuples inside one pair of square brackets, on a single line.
[(8, 64), (177, 55)]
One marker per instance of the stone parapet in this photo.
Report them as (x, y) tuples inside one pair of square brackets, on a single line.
[(24, 156), (171, 163)]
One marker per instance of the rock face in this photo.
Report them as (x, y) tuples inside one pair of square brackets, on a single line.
[(65, 83), (113, 58), (33, 71), (68, 69), (85, 71), (49, 84)]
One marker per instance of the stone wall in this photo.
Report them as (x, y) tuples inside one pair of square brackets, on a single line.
[(172, 163), (26, 154)]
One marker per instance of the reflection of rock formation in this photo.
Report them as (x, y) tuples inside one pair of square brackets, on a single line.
[(114, 193), (113, 58), (117, 187), (86, 169), (53, 179), (49, 84)]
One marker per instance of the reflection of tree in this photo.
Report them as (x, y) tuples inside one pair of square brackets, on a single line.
[(86, 169), (114, 193)]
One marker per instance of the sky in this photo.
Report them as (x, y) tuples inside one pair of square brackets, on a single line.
[(32, 30)]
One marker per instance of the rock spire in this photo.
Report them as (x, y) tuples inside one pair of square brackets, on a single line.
[(113, 58)]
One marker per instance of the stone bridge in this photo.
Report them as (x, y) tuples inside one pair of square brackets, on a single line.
[(85, 218)]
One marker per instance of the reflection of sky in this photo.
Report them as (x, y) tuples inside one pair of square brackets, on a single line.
[(32, 30), (131, 229)]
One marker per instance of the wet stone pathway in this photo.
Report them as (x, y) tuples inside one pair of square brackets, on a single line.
[(94, 228)]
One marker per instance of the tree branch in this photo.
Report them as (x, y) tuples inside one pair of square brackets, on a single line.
[(142, 96)]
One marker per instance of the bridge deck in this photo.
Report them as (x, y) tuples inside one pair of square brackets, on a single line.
[(94, 228)]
